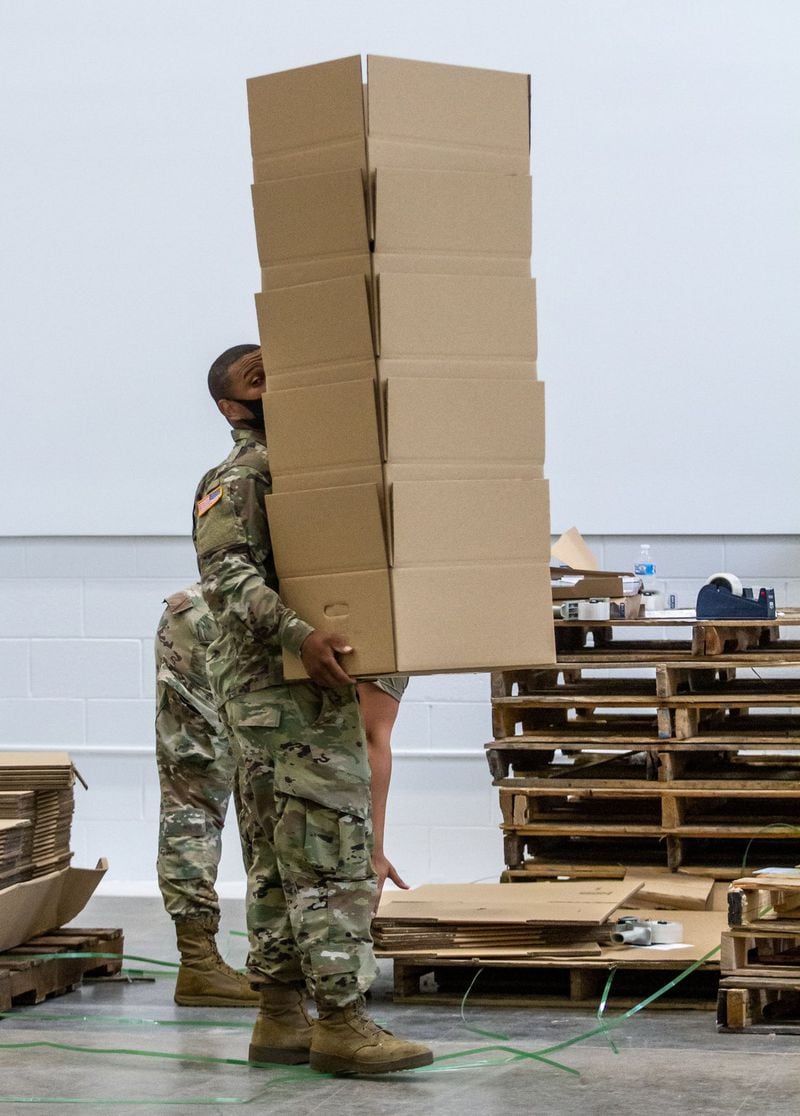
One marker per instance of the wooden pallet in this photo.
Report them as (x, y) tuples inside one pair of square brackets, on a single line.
[(27, 979), (759, 1006), (764, 903), (719, 856), (577, 984), (653, 809)]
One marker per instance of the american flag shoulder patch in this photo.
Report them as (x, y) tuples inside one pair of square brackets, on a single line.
[(209, 500)]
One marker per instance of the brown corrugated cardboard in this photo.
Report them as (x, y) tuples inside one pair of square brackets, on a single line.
[(588, 587), (572, 550), (330, 478), (450, 222), (570, 902), (464, 420), (307, 120), (478, 521), (317, 329), (475, 317), (35, 906), (472, 617), (443, 369), (356, 606), (311, 228), (428, 115), (328, 530), (325, 427)]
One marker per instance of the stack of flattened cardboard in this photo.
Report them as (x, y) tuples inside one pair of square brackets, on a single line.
[(38, 786), (38, 889), (16, 839), (398, 322), (494, 920)]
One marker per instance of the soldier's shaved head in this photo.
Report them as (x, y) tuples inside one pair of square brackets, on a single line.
[(218, 373)]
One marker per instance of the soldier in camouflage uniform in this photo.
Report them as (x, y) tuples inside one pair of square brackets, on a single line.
[(302, 763), (196, 773)]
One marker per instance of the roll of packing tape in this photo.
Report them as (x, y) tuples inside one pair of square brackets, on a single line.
[(727, 581), (597, 608), (653, 600), (665, 933)]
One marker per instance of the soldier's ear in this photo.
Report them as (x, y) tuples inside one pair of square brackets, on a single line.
[(232, 410)]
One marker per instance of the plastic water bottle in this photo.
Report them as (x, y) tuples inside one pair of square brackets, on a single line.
[(645, 567)]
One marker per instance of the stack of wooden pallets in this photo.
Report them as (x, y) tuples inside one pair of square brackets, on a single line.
[(760, 957), (677, 752)]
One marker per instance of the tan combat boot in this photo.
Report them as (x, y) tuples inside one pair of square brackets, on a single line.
[(346, 1040), (204, 980), (283, 1029)]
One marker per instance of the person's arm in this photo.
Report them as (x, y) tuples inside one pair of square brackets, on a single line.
[(379, 711), (229, 539)]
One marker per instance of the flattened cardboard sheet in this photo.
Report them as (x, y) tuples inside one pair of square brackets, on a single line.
[(429, 115), (307, 120), (475, 317), (571, 902), (42, 904)]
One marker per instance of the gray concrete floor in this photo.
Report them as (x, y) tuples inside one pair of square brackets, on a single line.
[(668, 1061)]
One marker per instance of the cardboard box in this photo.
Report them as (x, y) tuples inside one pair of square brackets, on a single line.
[(590, 585), (444, 522), (443, 368), (307, 120), (472, 617), (45, 903), (316, 333), (311, 228), (357, 606), (419, 114), (472, 421), (440, 117), (474, 317), (327, 530), (329, 426), (451, 222)]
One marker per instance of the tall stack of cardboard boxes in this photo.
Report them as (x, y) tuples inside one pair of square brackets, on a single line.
[(397, 317)]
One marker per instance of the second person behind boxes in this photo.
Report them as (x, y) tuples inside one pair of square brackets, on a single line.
[(302, 765)]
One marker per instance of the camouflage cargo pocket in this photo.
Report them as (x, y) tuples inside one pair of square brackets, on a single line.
[(336, 844), (183, 844)]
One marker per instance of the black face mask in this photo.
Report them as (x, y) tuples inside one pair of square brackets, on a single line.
[(256, 408)]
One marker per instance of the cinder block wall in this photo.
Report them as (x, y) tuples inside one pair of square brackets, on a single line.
[(76, 673)]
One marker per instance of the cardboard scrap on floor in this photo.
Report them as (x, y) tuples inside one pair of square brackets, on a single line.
[(673, 892)]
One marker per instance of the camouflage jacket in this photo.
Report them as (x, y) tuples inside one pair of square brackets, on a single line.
[(237, 573), (185, 630)]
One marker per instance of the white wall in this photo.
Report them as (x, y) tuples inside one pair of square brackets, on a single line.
[(666, 171), (78, 617)]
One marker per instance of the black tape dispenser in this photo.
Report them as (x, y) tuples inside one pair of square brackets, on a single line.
[(723, 597)]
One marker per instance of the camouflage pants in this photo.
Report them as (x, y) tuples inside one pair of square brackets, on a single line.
[(196, 771), (305, 786)]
